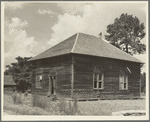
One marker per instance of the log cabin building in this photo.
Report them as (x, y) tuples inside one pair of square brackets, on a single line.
[(86, 67), (9, 83)]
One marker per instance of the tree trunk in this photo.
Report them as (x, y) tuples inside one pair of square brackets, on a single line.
[(127, 48)]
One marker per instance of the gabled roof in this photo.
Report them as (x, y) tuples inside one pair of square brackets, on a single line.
[(8, 80), (88, 45)]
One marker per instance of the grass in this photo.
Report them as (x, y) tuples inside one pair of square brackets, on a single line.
[(61, 106), (69, 107), (106, 107), (16, 98), (40, 102), (24, 109), (41, 105)]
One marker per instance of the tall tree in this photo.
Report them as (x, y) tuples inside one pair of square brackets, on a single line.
[(21, 72), (126, 33)]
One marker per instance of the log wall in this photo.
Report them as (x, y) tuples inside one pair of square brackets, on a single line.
[(75, 76), (62, 66), (83, 77)]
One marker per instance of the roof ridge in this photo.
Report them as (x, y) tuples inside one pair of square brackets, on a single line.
[(75, 42)]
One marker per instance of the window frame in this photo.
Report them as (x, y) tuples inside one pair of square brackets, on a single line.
[(124, 81), (97, 75)]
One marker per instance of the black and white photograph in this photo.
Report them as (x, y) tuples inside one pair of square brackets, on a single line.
[(71, 60)]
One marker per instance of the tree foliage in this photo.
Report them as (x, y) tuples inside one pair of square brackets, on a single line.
[(21, 72), (126, 33)]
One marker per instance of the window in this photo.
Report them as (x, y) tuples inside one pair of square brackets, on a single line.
[(38, 81), (123, 80), (98, 79)]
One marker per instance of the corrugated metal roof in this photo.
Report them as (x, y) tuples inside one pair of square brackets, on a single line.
[(86, 44), (8, 80)]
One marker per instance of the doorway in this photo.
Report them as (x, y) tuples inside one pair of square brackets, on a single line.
[(52, 82)]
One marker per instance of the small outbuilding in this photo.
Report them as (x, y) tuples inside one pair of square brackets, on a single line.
[(9, 83), (86, 67)]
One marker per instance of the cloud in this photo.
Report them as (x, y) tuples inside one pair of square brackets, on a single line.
[(16, 25), (71, 8), (94, 19), (91, 22), (17, 43), (14, 5), (64, 29), (43, 12)]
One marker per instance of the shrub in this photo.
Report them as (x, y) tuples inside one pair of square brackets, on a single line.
[(8, 92), (26, 94), (75, 105), (68, 107), (39, 101), (24, 109), (62, 105), (16, 98)]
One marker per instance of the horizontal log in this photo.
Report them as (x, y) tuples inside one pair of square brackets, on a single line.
[(82, 59), (82, 86)]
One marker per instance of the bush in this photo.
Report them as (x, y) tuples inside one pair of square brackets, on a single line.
[(8, 91), (63, 106), (24, 109), (68, 107), (39, 101), (16, 98), (26, 94)]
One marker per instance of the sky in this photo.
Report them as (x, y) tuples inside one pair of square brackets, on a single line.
[(32, 27)]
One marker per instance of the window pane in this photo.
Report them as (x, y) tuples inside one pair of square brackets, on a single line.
[(95, 84), (124, 85), (126, 78), (100, 84), (100, 76), (95, 77), (121, 85), (36, 77), (40, 83), (40, 77), (36, 80), (51, 77), (121, 78)]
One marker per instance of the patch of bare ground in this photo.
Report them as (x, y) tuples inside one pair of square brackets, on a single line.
[(106, 107)]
